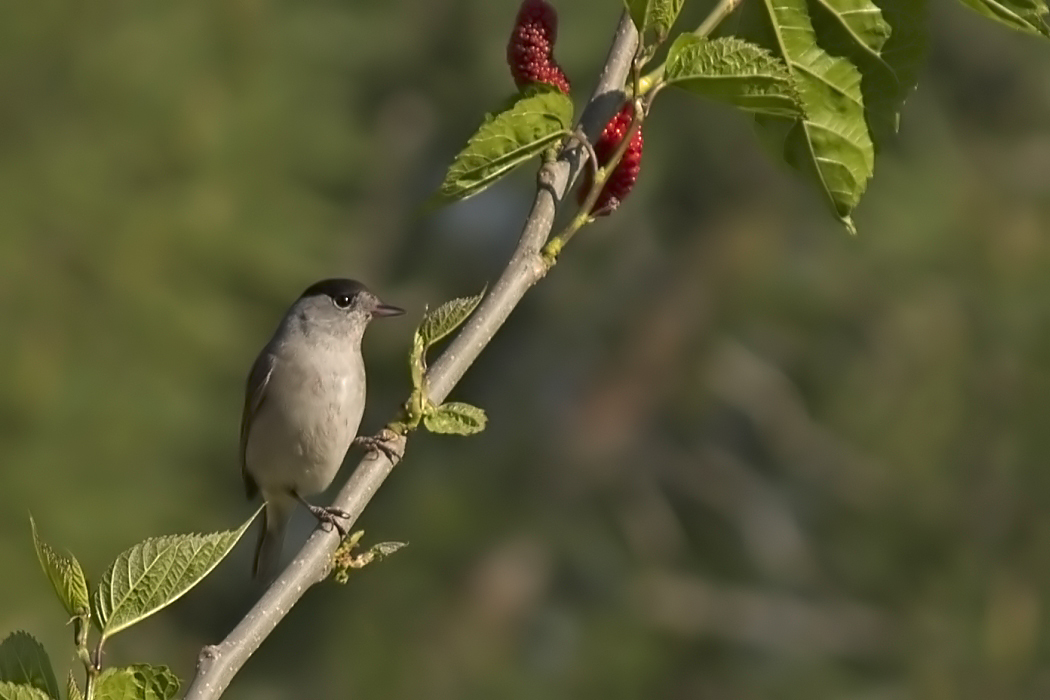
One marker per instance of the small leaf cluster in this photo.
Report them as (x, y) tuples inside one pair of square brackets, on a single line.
[(654, 19), (451, 417), (345, 558), (141, 581), (824, 82)]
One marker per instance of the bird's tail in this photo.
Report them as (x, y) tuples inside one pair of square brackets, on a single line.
[(271, 537)]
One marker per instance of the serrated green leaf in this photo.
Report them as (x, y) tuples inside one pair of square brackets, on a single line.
[(72, 689), (446, 318), (455, 418), (138, 682), (155, 573), (505, 140), (16, 691), (1022, 15), (854, 62), (733, 71), (65, 574), (654, 18), (24, 660)]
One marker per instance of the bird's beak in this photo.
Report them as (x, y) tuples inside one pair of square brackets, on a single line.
[(387, 310)]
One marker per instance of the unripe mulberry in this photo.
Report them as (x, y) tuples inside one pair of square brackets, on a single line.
[(530, 51), (622, 179)]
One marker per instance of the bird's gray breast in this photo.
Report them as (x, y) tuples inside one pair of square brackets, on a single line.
[(310, 413)]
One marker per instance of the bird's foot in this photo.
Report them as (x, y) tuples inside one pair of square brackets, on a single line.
[(380, 442), (328, 516)]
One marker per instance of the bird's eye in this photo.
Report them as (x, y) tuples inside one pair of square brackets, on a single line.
[(342, 301)]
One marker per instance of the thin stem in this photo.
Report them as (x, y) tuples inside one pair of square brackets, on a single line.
[(580, 138), (583, 216), (641, 87), (91, 671), (722, 10), (91, 662), (80, 639), (714, 19), (586, 213), (636, 78)]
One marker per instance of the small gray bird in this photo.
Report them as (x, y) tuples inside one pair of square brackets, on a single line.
[(303, 405)]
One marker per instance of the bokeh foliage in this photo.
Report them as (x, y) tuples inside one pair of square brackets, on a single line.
[(731, 451)]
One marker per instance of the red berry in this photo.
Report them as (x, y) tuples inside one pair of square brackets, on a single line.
[(619, 184), (530, 51)]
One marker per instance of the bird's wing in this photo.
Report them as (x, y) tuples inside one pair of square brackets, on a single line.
[(254, 395)]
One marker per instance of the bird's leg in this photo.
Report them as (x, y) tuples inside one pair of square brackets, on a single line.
[(326, 515), (380, 442)]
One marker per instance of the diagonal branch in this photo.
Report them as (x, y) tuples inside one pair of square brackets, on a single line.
[(217, 664)]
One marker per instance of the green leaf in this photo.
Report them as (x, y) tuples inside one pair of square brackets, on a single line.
[(72, 689), (138, 682), (886, 40), (15, 691), (446, 318), (733, 71), (537, 119), (904, 54), (66, 576), (23, 660), (155, 573), (854, 62), (454, 418), (434, 326), (1022, 15), (654, 18)]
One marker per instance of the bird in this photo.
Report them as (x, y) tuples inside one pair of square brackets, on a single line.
[(303, 404)]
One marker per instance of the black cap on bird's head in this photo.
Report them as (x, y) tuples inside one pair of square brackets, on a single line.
[(347, 293)]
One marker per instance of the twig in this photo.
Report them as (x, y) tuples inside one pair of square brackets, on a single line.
[(586, 213), (713, 21), (719, 13), (588, 148), (642, 100), (217, 664)]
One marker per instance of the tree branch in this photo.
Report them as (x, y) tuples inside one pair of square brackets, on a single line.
[(217, 664)]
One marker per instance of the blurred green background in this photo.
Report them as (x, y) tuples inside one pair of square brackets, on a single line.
[(733, 453)]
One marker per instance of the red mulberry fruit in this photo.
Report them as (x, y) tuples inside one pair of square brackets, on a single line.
[(530, 51), (619, 184)]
